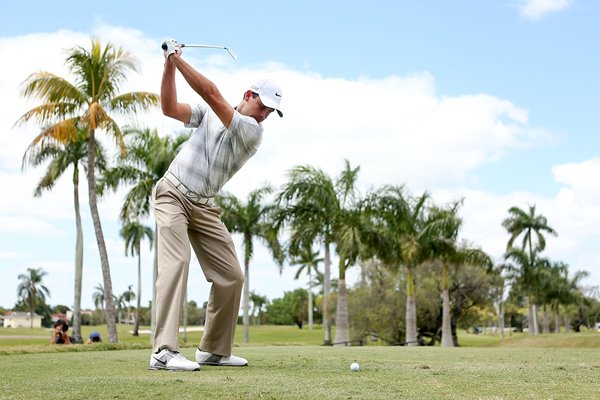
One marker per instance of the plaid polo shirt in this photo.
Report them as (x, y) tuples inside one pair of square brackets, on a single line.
[(213, 154)]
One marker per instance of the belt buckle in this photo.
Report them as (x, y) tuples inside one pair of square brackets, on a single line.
[(193, 196)]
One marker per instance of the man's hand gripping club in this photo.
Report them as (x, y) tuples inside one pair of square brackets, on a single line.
[(170, 46)]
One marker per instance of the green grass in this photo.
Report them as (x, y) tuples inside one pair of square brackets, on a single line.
[(310, 372), (288, 363)]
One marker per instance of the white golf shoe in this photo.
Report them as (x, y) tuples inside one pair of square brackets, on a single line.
[(205, 358), (171, 361)]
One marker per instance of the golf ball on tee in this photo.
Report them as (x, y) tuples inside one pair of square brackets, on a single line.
[(354, 366)]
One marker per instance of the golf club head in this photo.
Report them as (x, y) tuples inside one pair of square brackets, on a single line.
[(231, 53)]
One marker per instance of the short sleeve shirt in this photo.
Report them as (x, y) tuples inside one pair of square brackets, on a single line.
[(213, 153)]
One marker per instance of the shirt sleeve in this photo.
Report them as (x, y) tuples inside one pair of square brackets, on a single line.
[(198, 112), (246, 131)]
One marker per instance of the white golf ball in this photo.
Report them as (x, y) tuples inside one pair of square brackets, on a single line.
[(354, 366)]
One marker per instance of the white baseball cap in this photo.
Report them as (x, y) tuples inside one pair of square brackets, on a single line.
[(269, 92)]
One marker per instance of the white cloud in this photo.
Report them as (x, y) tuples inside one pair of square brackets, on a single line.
[(536, 9)]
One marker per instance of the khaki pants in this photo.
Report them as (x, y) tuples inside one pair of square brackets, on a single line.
[(181, 223)]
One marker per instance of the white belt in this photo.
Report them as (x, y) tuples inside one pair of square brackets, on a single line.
[(191, 195)]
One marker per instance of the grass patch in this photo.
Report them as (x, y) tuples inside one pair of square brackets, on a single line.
[(307, 372)]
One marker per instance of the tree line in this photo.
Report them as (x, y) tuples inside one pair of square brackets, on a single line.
[(309, 220)]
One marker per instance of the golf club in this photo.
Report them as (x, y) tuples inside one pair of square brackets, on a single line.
[(206, 46)]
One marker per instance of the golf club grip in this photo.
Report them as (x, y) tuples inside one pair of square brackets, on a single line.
[(164, 45)]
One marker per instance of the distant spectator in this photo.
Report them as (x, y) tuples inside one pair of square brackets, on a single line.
[(94, 337), (59, 335)]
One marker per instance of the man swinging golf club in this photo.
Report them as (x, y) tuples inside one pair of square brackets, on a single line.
[(225, 138)]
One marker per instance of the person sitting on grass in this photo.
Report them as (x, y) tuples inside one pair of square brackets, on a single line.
[(59, 335), (94, 337)]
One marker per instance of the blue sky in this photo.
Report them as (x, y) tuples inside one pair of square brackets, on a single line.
[(494, 101)]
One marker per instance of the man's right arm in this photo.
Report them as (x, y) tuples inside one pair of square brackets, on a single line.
[(204, 87), (168, 96)]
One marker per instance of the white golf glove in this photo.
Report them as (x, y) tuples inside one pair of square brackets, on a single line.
[(170, 46)]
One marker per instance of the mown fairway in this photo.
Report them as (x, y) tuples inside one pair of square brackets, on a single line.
[(310, 372)]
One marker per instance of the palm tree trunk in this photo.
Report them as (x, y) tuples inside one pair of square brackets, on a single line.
[(78, 260), (246, 318), (411, 309), (108, 293), (310, 300), (557, 320), (501, 318), (326, 289), (536, 329), (530, 318), (546, 326), (447, 340), (567, 323), (342, 326), (136, 323), (31, 310)]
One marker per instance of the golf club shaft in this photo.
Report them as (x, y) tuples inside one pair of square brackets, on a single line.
[(210, 46), (205, 46)]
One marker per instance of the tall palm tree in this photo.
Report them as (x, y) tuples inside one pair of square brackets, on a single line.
[(351, 226), (320, 209), (309, 203), (31, 289), (62, 155), (308, 260), (252, 219), (528, 224), (147, 159), (88, 104), (133, 232)]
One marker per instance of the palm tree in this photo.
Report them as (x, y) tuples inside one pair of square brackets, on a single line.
[(252, 220), (258, 303), (98, 298), (86, 105), (351, 226), (573, 294), (62, 155), (528, 224), (525, 271), (133, 232), (308, 260), (319, 209), (456, 256), (31, 290), (446, 250), (147, 159), (308, 202), (404, 232), (120, 302)]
